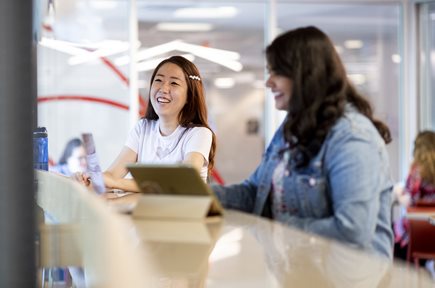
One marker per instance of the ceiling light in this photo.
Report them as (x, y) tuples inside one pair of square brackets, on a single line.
[(353, 44), (151, 64), (149, 52), (222, 57), (357, 79), (213, 55), (82, 53), (106, 48), (219, 53), (184, 27), (62, 46), (216, 12), (338, 48), (224, 83), (396, 58)]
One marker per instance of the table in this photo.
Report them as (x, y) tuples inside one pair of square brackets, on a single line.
[(238, 250)]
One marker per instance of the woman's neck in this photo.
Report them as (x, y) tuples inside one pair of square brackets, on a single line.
[(167, 127)]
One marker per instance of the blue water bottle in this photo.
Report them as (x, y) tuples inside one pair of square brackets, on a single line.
[(40, 149)]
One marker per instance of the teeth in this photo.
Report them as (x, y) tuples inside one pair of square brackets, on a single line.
[(163, 100)]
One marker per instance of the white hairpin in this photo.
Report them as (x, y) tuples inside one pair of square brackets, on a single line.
[(194, 77)]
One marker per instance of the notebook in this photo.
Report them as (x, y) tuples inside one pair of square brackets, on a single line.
[(93, 166), (177, 181), (93, 169)]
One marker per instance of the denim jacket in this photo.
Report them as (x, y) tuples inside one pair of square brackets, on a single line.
[(344, 193)]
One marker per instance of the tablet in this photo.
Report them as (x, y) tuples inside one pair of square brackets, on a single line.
[(173, 179)]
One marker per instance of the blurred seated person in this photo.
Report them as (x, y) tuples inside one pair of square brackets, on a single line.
[(73, 159), (419, 189)]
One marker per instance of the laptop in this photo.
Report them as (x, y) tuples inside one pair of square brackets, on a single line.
[(177, 180)]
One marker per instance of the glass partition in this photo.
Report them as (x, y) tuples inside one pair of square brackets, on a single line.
[(80, 89), (366, 37), (427, 65), (225, 41), (83, 66)]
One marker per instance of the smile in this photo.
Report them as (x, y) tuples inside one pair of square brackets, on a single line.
[(277, 94), (163, 100)]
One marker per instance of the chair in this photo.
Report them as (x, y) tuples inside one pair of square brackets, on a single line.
[(421, 235)]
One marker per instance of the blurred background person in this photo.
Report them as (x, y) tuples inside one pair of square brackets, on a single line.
[(419, 190), (421, 179), (73, 159)]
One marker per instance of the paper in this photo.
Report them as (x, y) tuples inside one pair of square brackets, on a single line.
[(93, 169)]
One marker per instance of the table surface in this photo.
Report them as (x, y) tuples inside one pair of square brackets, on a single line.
[(237, 250)]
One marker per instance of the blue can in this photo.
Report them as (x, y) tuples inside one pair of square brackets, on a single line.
[(40, 149)]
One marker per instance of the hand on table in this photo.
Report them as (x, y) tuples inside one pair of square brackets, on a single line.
[(82, 178)]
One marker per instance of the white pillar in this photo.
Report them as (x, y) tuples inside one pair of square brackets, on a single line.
[(272, 117), (408, 98), (133, 74)]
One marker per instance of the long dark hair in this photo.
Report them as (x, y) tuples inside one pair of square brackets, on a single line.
[(69, 148), (194, 112), (320, 89)]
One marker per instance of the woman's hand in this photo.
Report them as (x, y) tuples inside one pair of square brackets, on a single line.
[(112, 182), (82, 178)]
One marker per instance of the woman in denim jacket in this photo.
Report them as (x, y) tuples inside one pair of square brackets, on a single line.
[(326, 170)]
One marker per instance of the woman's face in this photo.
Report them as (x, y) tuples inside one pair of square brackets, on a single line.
[(77, 161), (168, 91), (282, 89)]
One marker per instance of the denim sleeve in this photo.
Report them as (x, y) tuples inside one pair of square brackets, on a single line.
[(243, 196), (354, 172), (239, 196)]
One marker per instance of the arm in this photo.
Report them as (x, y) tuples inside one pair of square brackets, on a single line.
[(243, 196), (114, 175), (238, 196), (194, 159)]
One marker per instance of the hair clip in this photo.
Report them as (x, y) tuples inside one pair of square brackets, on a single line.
[(194, 77)]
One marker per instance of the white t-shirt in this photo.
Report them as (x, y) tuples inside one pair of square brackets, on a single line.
[(151, 147)]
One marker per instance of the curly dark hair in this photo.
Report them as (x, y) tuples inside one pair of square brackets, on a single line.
[(321, 89), (194, 113)]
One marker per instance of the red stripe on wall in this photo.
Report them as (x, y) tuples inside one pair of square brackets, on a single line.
[(142, 104), (82, 98)]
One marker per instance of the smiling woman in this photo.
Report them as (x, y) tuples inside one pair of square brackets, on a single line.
[(174, 129), (326, 170)]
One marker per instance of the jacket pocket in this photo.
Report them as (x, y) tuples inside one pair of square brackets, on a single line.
[(313, 195)]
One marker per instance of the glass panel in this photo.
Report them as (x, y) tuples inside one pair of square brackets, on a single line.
[(79, 87), (78, 94), (427, 65), (366, 37), (233, 83)]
